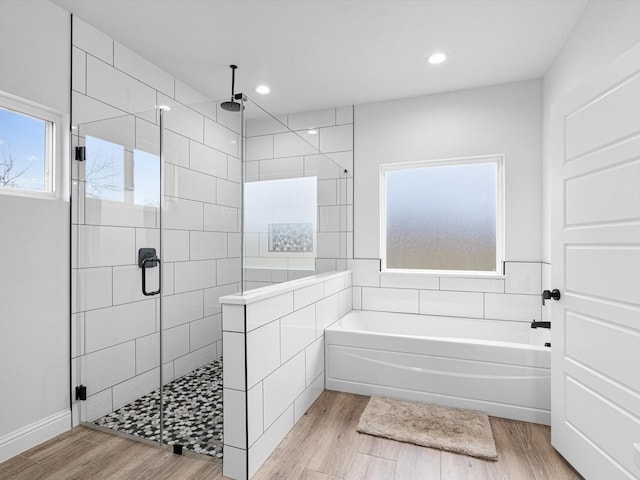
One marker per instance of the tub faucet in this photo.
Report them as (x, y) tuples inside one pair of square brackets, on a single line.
[(535, 324)]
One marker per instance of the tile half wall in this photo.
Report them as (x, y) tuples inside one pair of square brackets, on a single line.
[(274, 362)]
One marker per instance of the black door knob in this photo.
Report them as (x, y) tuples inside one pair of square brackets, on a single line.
[(550, 294)]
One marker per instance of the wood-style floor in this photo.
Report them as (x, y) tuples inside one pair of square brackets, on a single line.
[(322, 446)]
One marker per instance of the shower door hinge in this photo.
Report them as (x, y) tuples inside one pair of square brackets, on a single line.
[(81, 154), (81, 392)]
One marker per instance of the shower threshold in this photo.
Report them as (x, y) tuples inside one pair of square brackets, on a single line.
[(192, 416)]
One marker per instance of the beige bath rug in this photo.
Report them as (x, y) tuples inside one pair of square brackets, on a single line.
[(452, 429)]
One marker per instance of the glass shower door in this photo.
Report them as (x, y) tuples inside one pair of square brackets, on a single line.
[(116, 270), (200, 225)]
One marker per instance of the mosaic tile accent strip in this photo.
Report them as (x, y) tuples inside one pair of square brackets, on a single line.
[(291, 237), (192, 417)]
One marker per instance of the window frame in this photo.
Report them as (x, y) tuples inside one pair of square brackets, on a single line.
[(498, 160), (53, 144)]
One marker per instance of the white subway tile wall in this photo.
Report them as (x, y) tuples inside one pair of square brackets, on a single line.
[(310, 394), (93, 41), (259, 148), (132, 389), (336, 139), (263, 352), (282, 387), (147, 353), (327, 312), (234, 418), (113, 325), (297, 331), (116, 327), (456, 304), (256, 413), (92, 288), (86, 109), (513, 307), (137, 67), (523, 277), (513, 297), (267, 443), (285, 358), (116, 88), (457, 284), (309, 120), (120, 360), (391, 299), (308, 295)]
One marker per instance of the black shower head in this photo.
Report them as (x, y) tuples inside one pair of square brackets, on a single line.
[(232, 105)]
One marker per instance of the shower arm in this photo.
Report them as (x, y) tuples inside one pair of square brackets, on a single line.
[(233, 80)]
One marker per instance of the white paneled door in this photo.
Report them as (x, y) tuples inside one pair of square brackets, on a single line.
[(596, 265)]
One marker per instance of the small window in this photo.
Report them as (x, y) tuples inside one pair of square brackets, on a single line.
[(26, 149), (443, 216)]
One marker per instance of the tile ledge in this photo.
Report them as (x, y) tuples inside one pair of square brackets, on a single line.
[(443, 274), (262, 293)]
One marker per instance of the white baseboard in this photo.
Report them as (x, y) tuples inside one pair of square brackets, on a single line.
[(23, 439)]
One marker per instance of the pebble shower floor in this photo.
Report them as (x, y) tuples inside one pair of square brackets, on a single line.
[(192, 417)]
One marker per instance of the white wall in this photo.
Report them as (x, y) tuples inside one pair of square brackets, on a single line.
[(34, 243), (504, 119), (605, 31), (35, 52)]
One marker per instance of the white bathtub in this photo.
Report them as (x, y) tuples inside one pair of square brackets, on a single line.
[(498, 367)]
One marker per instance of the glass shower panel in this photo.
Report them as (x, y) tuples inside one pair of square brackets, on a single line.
[(200, 223), (280, 223), (116, 214), (296, 209)]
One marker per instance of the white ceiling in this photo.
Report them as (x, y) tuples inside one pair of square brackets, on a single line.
[(323, 53)]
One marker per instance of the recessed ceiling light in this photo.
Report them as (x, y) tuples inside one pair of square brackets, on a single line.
[(164, 107), (312, 131), (437, 58), (262, 89)]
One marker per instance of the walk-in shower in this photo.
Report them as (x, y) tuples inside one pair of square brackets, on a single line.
[(230, 198)]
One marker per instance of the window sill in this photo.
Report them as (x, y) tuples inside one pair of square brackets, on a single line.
[(16, 192), (441, 273)]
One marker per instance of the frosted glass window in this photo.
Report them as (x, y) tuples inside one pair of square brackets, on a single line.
[(442, 216)]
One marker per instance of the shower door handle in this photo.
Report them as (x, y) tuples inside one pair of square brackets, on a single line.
[(147, 258)]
